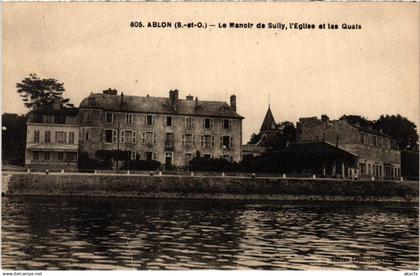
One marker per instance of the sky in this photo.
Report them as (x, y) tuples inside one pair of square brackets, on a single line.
[(91, 47)]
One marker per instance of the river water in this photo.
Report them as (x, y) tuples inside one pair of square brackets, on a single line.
[(110, 233)]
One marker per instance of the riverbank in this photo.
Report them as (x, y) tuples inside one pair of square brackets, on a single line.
[(217, 187)]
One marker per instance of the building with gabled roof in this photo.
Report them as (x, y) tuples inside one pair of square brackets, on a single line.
[(376, 154), (52, 139), (170, 130)]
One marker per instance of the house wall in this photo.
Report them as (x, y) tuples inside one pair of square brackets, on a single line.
[(52, 148), (377, 154), (95, 124)]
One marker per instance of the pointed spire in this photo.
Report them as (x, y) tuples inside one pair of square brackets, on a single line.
[(269, 123)]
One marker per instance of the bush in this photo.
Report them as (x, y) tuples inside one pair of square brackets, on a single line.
[(210, 164), (141, 165), (85, 163)]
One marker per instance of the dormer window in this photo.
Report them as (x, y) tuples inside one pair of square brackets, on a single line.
[(91, 101), (169, 121), (128, 118), (208, 123), (227, 124), (109, 117)]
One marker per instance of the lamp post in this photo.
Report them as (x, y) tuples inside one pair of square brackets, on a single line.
[(118, 146)]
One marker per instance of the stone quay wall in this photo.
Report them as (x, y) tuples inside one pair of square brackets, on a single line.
[(200, 187)]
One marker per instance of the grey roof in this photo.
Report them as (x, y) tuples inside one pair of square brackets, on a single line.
[(160, 105), (269, 123)]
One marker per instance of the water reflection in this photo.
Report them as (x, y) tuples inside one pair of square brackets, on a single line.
[(81, 233)]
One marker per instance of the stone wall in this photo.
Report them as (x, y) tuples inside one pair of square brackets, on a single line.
[(210, 187), (95, 142)]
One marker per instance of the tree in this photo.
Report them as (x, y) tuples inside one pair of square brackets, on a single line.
[(357, 119), (280, 138), (400, 129), (38, 92), (325, 118), (254, 138), (13, 138)]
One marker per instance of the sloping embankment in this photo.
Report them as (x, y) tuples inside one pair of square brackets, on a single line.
[(210, 187)]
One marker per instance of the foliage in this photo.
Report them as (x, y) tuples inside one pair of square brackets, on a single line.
[(254, 138), (210, 164), (119, 155), (325, 118), (13, 138), (400, 129), (141, 165), (357, 119), (284, 135), (410, 164), (93, 164), (37, 92)]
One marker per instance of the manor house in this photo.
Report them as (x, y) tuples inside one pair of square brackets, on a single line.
[(170, 130)]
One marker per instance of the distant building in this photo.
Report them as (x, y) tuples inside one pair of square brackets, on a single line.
[(169, 130), (52, 139), (373, 152), (269, 129)]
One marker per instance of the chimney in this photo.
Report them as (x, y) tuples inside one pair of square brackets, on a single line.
[(122, 98), (233, 102), (196, 102), (173, 97), (110, 91), (189, 98)]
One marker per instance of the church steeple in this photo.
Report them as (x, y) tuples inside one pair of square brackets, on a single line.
[(269, 124)]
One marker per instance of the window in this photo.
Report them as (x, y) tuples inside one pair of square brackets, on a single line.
[(36, 155), (87, 136), (47, 136), (188, 158), (362, 138), (36, 136), (187, 140), (109, 135), (71, 137), (134, 137), (133, 155), (369, 171), (207, 141), (60, 137), (122, 136), (109, 117), (72, 156), (48, 119), (148, 138), (60, 156), (128, 118), (362, 169), (88, 116), (128, 136), (208, 123), (168, 121), (149, 120), (226, 142), (188, 122), (374, 141), (114, 136), (71, 120), (208, 156), (47, 155), (227, 124), (149, 155)]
